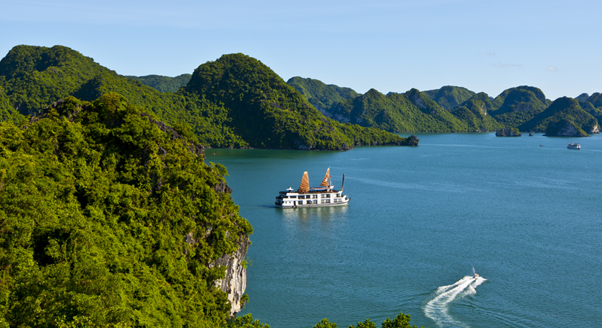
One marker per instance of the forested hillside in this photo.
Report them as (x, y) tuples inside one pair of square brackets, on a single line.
[(32, 77), (415, 111), (268, 113), (110, 218), (163, 83), (319, 94), (564, 108), (449, 97)]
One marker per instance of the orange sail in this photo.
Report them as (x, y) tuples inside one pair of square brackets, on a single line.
[(304, 187), (326, 179)]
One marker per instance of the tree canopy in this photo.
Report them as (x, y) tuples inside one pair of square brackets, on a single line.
[(110, 218)]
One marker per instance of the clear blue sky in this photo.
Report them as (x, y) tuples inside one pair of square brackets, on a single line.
[(394, 46)]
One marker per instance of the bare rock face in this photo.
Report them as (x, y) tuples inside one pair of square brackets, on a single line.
[(564, 128), (595, 129), (235, 282), (222, 187)]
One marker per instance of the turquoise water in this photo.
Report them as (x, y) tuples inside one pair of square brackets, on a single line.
[(526, 218)]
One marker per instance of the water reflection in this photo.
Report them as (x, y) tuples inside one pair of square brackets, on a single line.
[(313, 213)]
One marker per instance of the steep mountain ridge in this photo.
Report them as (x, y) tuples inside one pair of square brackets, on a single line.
[(567, 109), (321, 95), (33, 77), (449, 97)]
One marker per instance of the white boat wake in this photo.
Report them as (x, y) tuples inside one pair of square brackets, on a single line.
[(437, 309)]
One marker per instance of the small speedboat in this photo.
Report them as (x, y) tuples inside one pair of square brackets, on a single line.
[(476, 275)]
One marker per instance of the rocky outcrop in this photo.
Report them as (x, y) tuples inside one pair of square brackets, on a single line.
[(508, 132), (595, 129), (411, 141), (222, 187), (235, 282), (564, 128)]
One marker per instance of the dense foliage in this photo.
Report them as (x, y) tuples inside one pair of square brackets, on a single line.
[(163, 83), (519, 105), (401, 321), (507, 132), (416, 111), (32, 77), (7, 112), (564, 128), (449, 97), (564, 108), (110, 218), (268, 113), (409, 112), (321, 95)]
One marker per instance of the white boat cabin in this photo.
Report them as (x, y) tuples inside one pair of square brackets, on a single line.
[(325, 195)]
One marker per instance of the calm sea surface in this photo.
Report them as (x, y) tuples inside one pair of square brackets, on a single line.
[(527, 218)]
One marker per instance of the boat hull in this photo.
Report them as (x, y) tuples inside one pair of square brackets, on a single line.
[(311, 205)]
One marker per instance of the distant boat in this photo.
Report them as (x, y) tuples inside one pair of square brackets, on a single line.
[(573, 146), (530, 134), (540, 145), (324, 195)]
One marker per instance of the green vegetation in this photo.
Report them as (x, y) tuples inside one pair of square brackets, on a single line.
[(582, 97), (236, 101), (319, 94), (268, 113), (519, 105), (592, 104), (449, 97), (564, 108), (595, 99), (36, 76), (401, 321), (7, 112), (508, 132), (163, 83), (475, 119), (32, 77), (450, 109), (448, 121), (411, 112), (110, 218), (564, 128)]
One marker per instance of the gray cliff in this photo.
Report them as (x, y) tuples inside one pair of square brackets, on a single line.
[(235, 282)]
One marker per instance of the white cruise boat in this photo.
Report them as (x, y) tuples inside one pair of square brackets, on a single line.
[(573, 146), (324, 195)]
